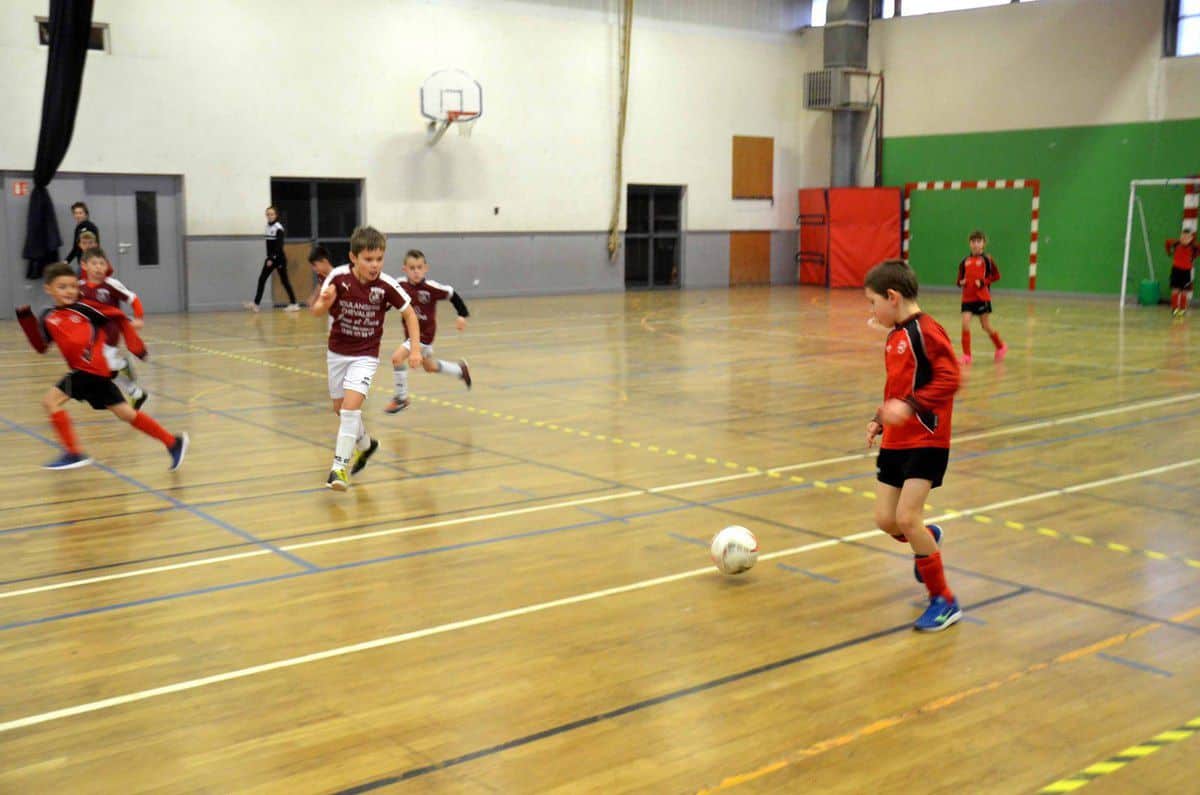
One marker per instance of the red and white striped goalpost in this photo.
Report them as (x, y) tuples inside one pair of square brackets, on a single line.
[(983, 184)]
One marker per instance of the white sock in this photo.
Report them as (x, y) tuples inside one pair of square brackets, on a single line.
[(400, 377), (348, 433), (364, 440), (127, 385), (449, 368)]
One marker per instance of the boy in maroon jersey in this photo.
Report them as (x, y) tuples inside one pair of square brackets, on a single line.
[(976, 273), (78, 330), (424, 294), (357, 296), (1183, 253), (98, 288), (918, 399)]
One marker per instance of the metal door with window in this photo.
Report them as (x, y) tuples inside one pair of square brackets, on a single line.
[(138, 218), (652, 228)]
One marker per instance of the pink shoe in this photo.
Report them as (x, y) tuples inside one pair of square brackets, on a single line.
[(964, 361), (1001, 351)]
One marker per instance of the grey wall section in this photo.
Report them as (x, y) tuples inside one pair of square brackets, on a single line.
[(784, 245), (515, 264), (706, 259), (16, 289), (222, 271)]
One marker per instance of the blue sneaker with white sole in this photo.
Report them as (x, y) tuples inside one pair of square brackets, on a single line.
[(68, 461), (940, 614), (936, 531)]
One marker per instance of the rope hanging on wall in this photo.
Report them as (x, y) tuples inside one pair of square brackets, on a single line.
[(626, 21)]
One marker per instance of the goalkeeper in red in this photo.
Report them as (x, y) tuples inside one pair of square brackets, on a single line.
[(976, 274), (78, 330)]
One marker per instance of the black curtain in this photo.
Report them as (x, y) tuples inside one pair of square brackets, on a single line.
[(70, 26)]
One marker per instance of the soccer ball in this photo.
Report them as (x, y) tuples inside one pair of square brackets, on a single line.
[(734, 550)]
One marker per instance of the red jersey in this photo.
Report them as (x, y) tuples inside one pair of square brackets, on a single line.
[(923, 372), (424, 302), (1182, 256), (110, 292), (972, 269), (358, 309), (78, 331)]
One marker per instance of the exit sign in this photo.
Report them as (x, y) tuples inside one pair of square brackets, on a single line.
[(20, 188)]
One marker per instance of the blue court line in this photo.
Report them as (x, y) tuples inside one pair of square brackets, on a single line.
[(289, 537), (1150, 669), (654, 701), (603, 515), (808, 573), (244, 535), (688, 539)]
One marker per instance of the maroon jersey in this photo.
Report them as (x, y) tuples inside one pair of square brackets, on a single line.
[(424, 302), (921, 371), (110, 292), (357, 311), (78, 331), (972, 269), (1182, 256)]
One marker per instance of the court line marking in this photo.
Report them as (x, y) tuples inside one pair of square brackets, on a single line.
[(711, 460), (938, 704), (392, 640), (404, 529), (1119, 760)]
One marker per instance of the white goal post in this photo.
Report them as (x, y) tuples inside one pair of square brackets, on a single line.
[(1191, 206)]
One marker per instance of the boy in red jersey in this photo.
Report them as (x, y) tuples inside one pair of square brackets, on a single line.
[(1183, 251), (976, 273), (424, 294), (99, 288), (357, 296), (922, 377), (78, 330)]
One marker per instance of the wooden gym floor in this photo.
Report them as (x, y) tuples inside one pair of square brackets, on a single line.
[(516, 597)]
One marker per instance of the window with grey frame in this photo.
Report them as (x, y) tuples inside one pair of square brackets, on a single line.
[(652, 235), (1181, 29), (321, 211)]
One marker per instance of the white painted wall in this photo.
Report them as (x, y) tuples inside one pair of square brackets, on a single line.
[(230, 93), (1052, 63)]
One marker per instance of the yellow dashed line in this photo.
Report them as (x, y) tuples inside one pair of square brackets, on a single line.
[(1014, 525), (845, 489), (982, 519)]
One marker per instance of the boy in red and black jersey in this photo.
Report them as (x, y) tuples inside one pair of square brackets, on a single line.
[(78, 330), (976, 274), (99, 288), (918, 401), (1184, 252)]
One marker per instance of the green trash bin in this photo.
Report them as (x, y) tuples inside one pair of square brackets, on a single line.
[(1149, 293)]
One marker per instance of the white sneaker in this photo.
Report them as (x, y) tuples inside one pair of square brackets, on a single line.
[(251, 306), (292, 308)]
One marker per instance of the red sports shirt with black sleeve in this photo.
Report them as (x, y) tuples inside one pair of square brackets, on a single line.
[(1182, 256), (425, 297), (980, 269), (78, 331), (357, 311), (923, 372)]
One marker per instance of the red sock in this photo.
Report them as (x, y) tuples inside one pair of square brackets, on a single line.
[(903, 539), (146, 424), (62, 425), (935, 579), (966, 340), (999, 343)]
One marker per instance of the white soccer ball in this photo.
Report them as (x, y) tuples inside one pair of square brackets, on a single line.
[(734, 550)]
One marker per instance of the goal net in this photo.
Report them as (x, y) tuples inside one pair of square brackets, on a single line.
[(1158, 210)]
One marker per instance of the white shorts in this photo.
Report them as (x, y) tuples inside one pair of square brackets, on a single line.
[(113, 357), (426, 350), (350, 372)]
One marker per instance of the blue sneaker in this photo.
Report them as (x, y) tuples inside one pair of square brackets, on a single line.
[(939, 615), (178, 451), (936, 530), (68, 461)]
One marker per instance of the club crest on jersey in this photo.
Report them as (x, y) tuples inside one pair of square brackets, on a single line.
[(901, 347), (376, 295), (423, 296), (102, 294)]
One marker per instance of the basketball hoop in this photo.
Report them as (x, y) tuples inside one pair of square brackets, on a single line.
[(464, 119), (450, 96)]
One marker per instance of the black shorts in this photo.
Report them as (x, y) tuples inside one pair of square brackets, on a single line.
[(893, 467), (1181, 279), (96, 390), (977, 307)]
